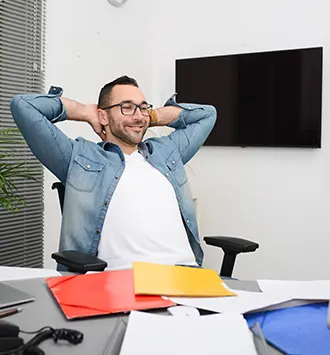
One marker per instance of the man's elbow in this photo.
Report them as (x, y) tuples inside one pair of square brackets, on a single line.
[(15, 104), (212, 114), (20, 106)]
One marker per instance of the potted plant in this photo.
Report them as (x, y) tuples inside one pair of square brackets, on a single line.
[(10, 169)]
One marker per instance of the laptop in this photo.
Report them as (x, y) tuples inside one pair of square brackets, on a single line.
[(10, 296)]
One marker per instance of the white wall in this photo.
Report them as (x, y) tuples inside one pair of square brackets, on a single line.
[(277, 197)]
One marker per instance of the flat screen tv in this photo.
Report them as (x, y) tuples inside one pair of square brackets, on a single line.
[(266, 99)]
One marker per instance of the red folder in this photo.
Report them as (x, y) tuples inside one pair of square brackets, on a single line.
[(102, 293)]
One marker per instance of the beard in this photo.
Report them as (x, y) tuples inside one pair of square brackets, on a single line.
[(122, 130)]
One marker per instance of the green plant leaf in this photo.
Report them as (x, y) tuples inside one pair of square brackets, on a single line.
[(10, 169)]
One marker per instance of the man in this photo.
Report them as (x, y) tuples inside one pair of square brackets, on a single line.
[(126, 199)]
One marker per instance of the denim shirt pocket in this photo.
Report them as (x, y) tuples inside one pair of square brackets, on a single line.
[(174, 164), (84, 173)]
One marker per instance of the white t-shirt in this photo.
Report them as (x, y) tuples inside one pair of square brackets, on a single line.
[(143, 221)]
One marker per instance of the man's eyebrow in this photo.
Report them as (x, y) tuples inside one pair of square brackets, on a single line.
[(132, 102)]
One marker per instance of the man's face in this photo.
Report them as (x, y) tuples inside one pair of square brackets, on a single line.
[(130, 128)]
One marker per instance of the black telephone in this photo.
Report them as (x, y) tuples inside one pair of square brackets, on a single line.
[(9, 338), (12, 344)]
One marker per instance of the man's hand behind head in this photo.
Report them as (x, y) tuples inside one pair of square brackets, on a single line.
[(93, 120), (77, 111)]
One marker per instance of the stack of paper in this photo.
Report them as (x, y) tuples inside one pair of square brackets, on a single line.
[(151, 334), (243, 303), (301, 290), (167, 280)]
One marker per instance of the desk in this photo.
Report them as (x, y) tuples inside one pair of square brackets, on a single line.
[(45, 311)]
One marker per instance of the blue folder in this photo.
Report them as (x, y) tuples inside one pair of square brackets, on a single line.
[(296, 331)]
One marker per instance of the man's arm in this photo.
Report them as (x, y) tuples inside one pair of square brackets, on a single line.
[(77, 111), (193, 123), (35, 116), (166, 115)]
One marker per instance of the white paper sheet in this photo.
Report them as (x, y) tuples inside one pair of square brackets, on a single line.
[(18, 273), (242, 303), (215, 334), (301, 290)]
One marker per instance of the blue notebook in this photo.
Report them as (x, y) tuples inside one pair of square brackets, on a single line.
[(296, 331)]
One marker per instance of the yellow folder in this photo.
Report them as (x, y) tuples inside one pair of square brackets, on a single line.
[(167, 280)]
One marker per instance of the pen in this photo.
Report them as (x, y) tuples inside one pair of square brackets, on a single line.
[(9, 312)]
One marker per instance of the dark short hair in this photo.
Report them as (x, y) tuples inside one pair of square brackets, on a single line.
[(105, 93)]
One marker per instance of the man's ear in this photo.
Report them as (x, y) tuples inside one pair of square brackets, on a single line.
[(103, 118)]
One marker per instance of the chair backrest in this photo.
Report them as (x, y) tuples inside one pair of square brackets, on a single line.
[(74, 260), (61, 192)]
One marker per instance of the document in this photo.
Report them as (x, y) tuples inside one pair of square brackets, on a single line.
[(215, 334), (8, 273), (300, 290), (167, 280), (244, 302)]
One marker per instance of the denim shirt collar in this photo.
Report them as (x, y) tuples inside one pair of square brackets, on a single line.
[(145, 148)]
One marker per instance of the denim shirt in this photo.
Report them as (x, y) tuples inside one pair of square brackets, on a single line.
[(91, 171)]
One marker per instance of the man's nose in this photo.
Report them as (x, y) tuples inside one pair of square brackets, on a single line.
[(137, 115)]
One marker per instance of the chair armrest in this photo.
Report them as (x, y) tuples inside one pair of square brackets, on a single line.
[(232, 245), (77, 261)]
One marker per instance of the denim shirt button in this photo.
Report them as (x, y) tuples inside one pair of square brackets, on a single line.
[(88, 166), (166, 174), (188, 221)]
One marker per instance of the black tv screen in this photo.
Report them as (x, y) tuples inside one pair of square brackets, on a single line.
[(266, 99)]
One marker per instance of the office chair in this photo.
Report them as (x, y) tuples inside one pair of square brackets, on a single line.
[(77, 261)]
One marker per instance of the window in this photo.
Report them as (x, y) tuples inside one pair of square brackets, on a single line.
[(22, 37)]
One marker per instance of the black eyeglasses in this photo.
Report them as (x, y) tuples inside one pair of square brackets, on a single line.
[(128, 108)]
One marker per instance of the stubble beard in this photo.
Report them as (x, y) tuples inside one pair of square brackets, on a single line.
[(131, 139)]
